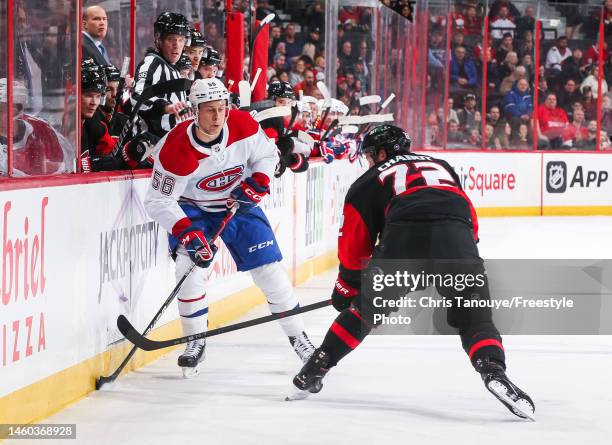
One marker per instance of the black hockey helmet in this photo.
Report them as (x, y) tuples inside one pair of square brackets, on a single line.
[(386, 137), (210, 57), (171, 23), (183, 62), (196, 39), (112, 73), (93, 77), (278, 89)]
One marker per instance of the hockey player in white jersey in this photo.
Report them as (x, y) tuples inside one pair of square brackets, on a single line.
[(203, 165)]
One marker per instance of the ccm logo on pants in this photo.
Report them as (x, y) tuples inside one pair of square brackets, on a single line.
[(261, 246)]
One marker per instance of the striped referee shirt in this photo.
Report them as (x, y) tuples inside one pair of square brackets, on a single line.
[(153, 69)]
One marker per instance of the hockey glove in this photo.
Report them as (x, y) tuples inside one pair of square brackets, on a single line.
[(197, 247), (248, 195), (343, 294)]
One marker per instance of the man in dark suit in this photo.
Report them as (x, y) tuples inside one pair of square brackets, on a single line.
[(95, 26)]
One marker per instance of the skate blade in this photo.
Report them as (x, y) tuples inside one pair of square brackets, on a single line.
[(297, 395), (190, 373), (522, 406)]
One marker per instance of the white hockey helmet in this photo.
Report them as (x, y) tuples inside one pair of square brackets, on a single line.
[(303, 107), (207, 90), (20, 92), (309, 100), (337, 106)]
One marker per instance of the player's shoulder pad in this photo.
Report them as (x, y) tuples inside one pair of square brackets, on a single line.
[(177, 155), (241, 125)]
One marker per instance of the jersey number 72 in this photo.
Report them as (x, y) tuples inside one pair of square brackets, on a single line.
[(431, 173)]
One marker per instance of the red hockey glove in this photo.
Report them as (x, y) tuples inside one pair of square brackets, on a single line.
[(197, 247), (248, 194), (343, 294)]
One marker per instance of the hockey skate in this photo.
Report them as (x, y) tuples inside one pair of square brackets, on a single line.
[(310, 378), (498, 384), (194, 354), (302, 346)]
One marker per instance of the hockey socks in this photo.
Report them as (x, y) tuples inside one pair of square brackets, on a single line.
[(346, 333)]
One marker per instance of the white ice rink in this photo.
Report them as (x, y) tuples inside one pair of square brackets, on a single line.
[(392, 390)]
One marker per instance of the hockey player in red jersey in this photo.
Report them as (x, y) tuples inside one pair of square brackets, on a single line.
[(38, 149), (201, 166), (415, 207)]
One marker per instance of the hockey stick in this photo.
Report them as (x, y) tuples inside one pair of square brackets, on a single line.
[(161, 88), (146, 344), (244, 92), (294, 113), (326, 104), (111, 378), (267, 19), (329, 129), (255, 79), (120, 87), (367, 100), (269, 113)]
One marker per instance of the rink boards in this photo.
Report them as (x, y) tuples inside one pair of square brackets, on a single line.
[(535, 183)]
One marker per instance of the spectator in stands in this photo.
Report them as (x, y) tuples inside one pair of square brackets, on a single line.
[(455, 135), (458, 40), (501, 128), (508, 65), (491, 141), (573, 17), (506, 46), (576, 133), (509, 81), (308, 85), (346, 54), (315, 17), (568, 96), (557, 54), (473, 22), (518, 103), (293, 44), (527, 63), (275, 38), (496, 6), (279, 65), (493, 78), (606, 115), (592, 81), (313, 45), (463, 74), (527, 45), (283, 76), (592, 55), (573, 67), (95, 27), (502, 23), (361, 73), (526, 22), (589, 103), (542, 89), (297, 72), (590, 142), (213, 37), (551, 120), (521, 139), (469, 116)]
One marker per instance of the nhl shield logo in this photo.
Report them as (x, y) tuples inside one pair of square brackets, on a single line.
[(556, 177)]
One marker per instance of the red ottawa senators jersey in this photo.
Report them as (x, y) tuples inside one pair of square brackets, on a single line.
[(405, 187)]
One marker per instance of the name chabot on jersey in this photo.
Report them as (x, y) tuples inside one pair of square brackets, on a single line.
[(482, 182)]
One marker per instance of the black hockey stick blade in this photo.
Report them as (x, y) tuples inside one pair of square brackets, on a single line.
[(140, 341)]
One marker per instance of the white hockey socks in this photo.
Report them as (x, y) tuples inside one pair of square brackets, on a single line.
[(274, 283), (192, 301)]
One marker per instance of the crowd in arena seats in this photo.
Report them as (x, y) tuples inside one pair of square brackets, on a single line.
[(567, 90)]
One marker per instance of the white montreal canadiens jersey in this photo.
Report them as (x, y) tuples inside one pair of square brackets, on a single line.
[(185, 170)]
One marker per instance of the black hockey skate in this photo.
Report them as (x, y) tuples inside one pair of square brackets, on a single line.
[(498, 384), (194, 354), (310, 378), (302, 346)]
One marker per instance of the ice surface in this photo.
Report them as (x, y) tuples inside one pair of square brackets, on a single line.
[(391, 390)]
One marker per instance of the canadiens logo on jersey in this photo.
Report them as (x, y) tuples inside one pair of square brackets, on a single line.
[(223, 180)]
